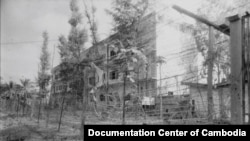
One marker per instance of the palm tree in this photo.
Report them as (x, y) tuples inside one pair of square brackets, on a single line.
[(160, 60), (25, 83)]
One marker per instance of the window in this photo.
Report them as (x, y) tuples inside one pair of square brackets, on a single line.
[(56, 76), (127, 97), (171, 93), (104, 76), (65, 87), (110, 97), (112, 53), (193, 105), (102, 97), (92, 81), (113, 75), (193, 102)]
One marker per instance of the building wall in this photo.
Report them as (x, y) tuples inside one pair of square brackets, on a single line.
[(147, 40), (221, 99), (172, 105), (199, 95)]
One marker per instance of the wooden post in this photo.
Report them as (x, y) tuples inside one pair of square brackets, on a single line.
[(210, 75), (236, 66), (51, 88), (107, 88), (244, 68), (161, 104), (200, 19), (246, 52), (84, 104), (247, 49), (123, 99), (147, 80), (18, 104), (39, 109), (221, 103), (248, 66), (61, 112)]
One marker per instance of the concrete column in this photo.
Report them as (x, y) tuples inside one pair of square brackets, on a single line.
[(236, 66)]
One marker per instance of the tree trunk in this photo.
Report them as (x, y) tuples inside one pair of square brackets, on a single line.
[(17, 105), (138, 94), (124, 93), (107, 100), (84, 105), (39, 111), (221, 103), (210, 76), (82, 124), (61, 113), (24, 104), (48, 113)]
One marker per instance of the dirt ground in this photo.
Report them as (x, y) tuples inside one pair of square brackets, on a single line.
[(27, 129)]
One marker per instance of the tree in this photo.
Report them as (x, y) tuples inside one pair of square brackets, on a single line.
[(90, 15), (71, 50), (127, 15), (4, 87), (43, 72), (9, 96), (25, 83), (199, 33)]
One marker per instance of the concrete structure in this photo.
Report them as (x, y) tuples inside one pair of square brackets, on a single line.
[(111, 76), (175, 106), (221, 99)]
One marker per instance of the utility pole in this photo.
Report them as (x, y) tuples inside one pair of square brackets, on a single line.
[(51, 87), (210, 75), (177, 85), (107, 76), (244, 68), (236, 69), (248, 66), (147, 80), (161, 104)]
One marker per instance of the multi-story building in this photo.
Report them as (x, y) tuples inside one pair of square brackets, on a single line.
[(109, 76)]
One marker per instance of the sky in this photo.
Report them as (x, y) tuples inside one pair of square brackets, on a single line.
[(23, 21), (22, 25)]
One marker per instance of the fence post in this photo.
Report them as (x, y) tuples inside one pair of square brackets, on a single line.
[(210, 105), (236, 69)]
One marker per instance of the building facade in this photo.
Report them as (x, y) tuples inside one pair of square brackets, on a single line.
[(106, 80)]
